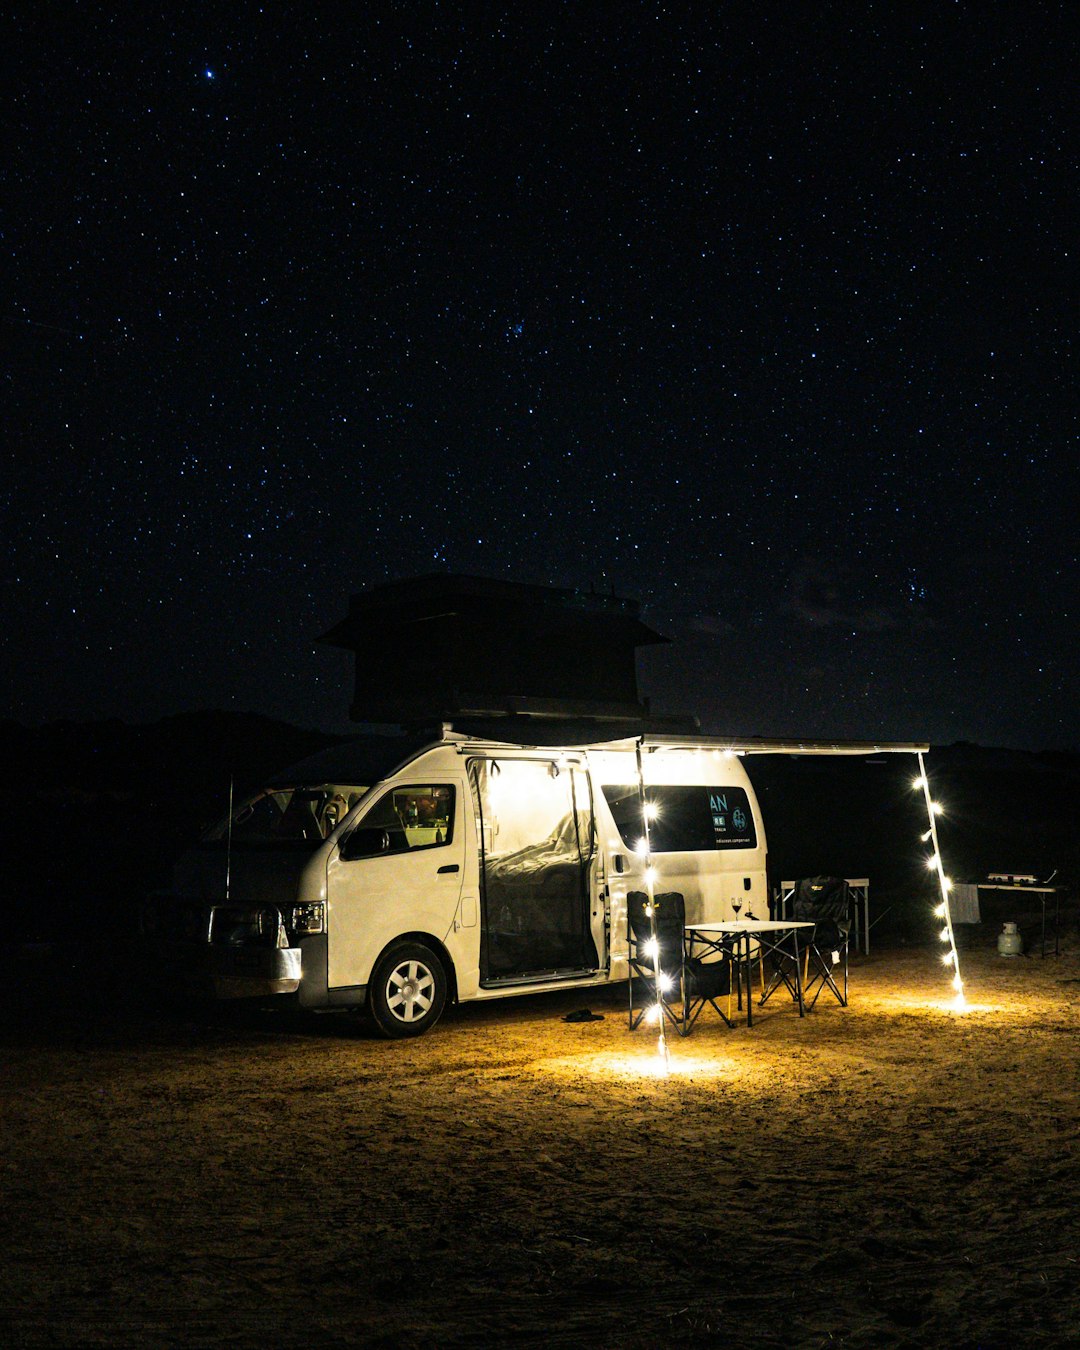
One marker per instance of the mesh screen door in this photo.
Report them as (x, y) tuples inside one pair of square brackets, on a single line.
[(536, 853)]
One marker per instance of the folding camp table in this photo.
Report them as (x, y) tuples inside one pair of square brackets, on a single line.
[(768, 934), (1033, 888)]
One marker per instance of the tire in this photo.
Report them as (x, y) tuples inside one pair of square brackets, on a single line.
[(407, 992)]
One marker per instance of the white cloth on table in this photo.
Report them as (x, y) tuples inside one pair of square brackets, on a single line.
[(964, 903)]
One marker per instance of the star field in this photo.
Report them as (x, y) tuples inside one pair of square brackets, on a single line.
[(765, 318)]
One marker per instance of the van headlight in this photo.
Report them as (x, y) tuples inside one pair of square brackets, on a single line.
[(305, 919)]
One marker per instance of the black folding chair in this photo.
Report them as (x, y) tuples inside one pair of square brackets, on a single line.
[(826, 903), (688, 983)]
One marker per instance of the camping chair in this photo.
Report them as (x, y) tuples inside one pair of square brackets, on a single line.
[(826, 903), (709, 978), (691, 982)]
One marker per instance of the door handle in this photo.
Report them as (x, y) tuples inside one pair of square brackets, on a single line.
[(450, 867)]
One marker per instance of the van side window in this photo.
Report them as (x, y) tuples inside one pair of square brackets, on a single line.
[(403, 820), (684, 819)]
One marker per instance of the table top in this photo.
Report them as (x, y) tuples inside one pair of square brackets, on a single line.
[(749, 926), (851, 881), (1016, 886)]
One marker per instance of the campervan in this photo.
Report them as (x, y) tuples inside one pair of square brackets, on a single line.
[(400, 873)]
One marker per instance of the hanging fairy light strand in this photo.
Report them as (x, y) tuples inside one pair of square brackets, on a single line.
[(951, 956), (645, 852)]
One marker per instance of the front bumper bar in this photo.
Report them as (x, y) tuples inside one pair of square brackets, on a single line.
[(228, 972), (247, 972)]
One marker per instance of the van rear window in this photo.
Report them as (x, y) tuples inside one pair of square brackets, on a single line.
[(684, 819)]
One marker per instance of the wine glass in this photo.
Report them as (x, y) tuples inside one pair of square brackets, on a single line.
[(736, 905)]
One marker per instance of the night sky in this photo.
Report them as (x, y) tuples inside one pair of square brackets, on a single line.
[(765, 316)]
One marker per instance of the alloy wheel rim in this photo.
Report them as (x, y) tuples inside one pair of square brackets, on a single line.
[(410, 991)]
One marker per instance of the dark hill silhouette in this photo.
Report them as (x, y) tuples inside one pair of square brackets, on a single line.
[(1004, 810), (94, 813)]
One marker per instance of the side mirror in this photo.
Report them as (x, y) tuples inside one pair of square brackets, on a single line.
[(365, 842)]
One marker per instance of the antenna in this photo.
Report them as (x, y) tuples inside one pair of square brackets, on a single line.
[(228, 846)]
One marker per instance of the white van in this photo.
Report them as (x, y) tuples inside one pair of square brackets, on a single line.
[(396, 874)]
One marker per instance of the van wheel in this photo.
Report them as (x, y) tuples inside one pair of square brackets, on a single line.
[(407, 992)]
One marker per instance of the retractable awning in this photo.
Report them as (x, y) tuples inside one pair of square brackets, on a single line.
[(761, 745)]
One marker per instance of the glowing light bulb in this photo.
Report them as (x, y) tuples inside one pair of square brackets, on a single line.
[(918, 783), (665, 983), (652, 1014), (947, 883), (939, 910), (936, 808), (651, 948), (650, 875), (927, 836), (948, 959), (932, 864), (944, 935), (641, 848), (651, 810)]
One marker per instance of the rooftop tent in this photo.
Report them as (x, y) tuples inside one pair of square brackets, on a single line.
[(444, 646)]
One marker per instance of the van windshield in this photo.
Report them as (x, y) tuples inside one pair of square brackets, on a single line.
[(288, 817)]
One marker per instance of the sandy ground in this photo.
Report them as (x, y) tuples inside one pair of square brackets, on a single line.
[(890, 1174)]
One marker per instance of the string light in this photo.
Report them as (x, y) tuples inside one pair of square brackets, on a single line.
[(655, 1014), (951, 958)]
